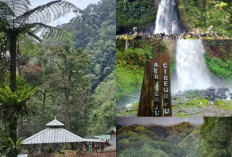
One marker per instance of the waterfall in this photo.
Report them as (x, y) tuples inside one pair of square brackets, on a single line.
[(191, 69), (167, 19)]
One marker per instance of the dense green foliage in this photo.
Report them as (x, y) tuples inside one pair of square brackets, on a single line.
[(204, 13), (192, 13), (182, 140), (102, 114), (132, 13), (219, 58), (216, 137), (218, 14), (63, 88), (220, 68), (94, 32), (14, 103)]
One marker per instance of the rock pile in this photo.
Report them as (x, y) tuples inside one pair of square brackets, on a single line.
[(212, 94)]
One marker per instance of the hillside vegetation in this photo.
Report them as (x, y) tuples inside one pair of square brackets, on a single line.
[(132, 13), (204, 13), (182, 140)]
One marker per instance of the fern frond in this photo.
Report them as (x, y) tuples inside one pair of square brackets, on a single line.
[(18, 7), (6, 14), (18, 142), (48, 12), (5, 10), (36, 37), (50, 33), (35, 33), (29, 44)]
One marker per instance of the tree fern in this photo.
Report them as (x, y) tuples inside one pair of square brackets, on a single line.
[(47, 13), (17, 20)]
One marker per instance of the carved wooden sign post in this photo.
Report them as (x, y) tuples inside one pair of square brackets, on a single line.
[(155, 98)]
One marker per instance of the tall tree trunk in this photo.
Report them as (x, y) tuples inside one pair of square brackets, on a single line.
[(44, 97), (67, 103), (13, 135), (13, 85), (13, 128)]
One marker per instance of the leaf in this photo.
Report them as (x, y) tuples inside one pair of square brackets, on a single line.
[(221, 5), (48, 12), (5, 10), (16, 101), (18, 142), (29, 44), (11, 142), (17, 7)]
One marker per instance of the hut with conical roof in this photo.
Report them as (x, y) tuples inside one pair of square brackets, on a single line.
[(53, 136), (54, 133)]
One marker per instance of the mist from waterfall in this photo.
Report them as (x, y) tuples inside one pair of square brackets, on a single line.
[(191, 69), (167, 19)]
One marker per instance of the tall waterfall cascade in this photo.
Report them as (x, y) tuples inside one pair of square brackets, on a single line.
[(191, 69), (167, 20)]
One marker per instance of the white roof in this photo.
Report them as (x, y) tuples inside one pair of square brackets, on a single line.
[(22, 155), (93, 140), (55, 123), (53, 135)]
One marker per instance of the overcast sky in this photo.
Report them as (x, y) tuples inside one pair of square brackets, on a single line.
[(82, 4), (164, 121)]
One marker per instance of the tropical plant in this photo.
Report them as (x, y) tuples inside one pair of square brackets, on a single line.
[(13, 105), (8, 146), (24, 28)]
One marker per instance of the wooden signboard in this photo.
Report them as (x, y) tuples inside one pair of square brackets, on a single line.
[(155, 98)]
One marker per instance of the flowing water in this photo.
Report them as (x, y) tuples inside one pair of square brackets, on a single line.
[(191, 69), (167, 19), (228, 94)]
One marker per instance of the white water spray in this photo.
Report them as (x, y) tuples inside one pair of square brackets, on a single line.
[(191, 69), (166, 19), (228, 94)]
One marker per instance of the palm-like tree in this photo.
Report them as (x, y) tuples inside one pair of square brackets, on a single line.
[(20, 26)]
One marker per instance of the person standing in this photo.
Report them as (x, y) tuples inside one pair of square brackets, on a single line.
[(211, 28), (135, 29)]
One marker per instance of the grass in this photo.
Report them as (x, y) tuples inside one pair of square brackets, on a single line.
[(222, 69), (224, 104), (182, 115)]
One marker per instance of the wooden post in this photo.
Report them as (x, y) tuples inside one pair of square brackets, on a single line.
[(155, 98)]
